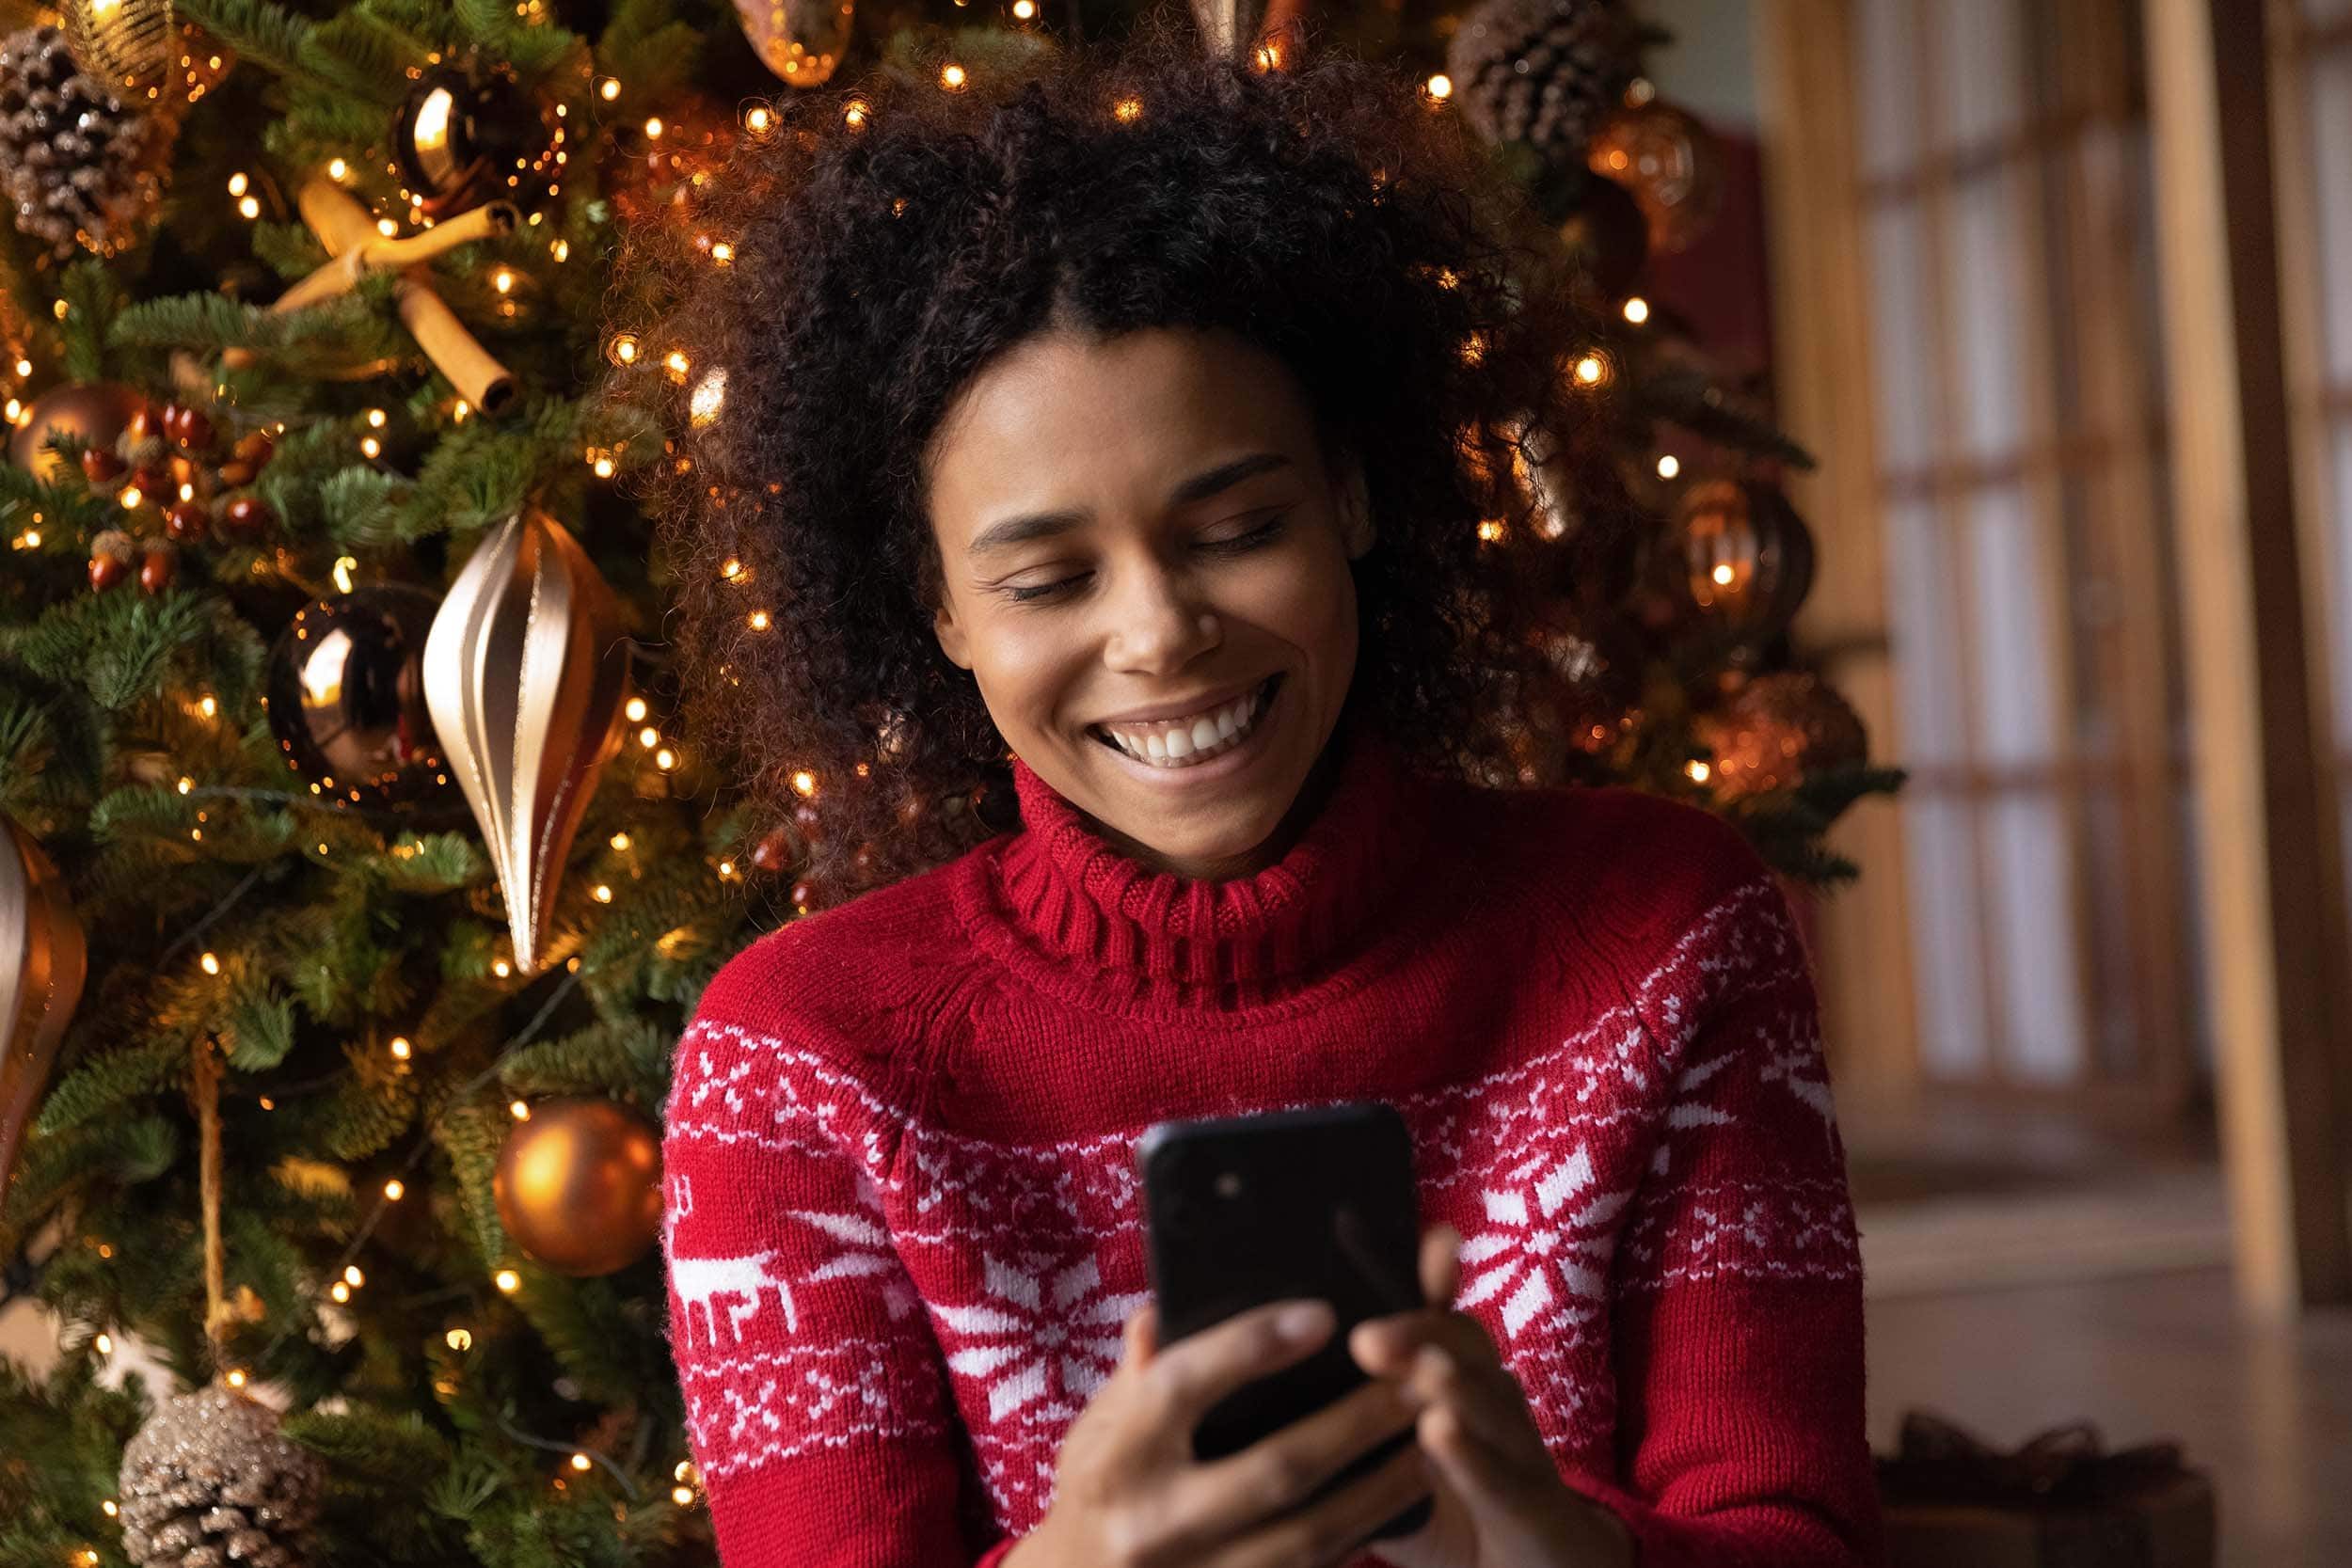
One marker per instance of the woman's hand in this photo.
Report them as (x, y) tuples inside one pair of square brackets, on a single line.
[(1129, 1493), (1501, 1502)]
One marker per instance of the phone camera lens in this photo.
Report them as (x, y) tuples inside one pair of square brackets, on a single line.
[(1228, 1183)]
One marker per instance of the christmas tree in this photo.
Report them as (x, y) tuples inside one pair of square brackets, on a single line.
[(359, 872)]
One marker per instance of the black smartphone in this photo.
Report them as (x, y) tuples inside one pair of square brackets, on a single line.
[(1317, 1202)]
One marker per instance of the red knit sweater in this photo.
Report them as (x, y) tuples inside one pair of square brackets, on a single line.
[(902, 1228)]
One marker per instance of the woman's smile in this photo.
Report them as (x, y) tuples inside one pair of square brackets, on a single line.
[(1183, 748)]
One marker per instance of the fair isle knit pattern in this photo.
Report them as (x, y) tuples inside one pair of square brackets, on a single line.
[(904, 1230)]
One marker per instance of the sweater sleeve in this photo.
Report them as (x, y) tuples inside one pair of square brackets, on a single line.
[(815, 1399), (1737, 1300)]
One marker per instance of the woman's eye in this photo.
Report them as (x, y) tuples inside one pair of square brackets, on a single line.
[(1024, 593), (1035, 593), (1248, 539)]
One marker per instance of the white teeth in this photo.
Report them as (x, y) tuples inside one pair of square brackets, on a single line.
[(1209, 735)]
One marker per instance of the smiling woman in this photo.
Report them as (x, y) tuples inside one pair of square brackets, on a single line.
[(1013, 310), (1113, 463), (1163, 621)]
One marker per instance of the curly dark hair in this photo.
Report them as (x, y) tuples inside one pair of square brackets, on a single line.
[(892, 239)]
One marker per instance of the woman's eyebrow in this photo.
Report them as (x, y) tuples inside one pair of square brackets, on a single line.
[(1200, 486)]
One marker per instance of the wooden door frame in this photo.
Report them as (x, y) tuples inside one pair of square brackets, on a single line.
[(2269, 863)]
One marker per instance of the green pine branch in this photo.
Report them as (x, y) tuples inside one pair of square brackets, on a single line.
[(261, 33)]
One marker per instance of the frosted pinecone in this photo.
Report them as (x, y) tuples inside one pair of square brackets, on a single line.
[(209, 1481), (78, 165), (1543, 71)]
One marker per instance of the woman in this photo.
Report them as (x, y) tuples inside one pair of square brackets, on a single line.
[(1103, 440)]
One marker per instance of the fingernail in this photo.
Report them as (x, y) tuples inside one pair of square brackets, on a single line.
[(1306, 1321)]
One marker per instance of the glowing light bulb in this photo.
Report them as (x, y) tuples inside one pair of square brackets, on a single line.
[(1699, 771), (952, 77), (400, 1048), (804, 781), (1669, 465), (249, 209), (337, 171), (635, 708), (1440, 88), (508, 1280), (394, 1190), (1637, 309), (210, 963), (519, 1111), (458, 1338)]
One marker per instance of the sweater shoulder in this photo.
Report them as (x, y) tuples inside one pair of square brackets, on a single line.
[(1614, 853), (854, 985)]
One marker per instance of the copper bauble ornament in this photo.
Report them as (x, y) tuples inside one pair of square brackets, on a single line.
[(210, 1480), (523, 673), (579, 1185), (1777, 731), (800, 40), (346, 699), (42, 964), (98, 412), (1672, 164), (1748, 558)]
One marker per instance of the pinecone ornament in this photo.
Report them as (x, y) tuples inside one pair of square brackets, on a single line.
[(78, 165), (1543, 71), (209, 1481)]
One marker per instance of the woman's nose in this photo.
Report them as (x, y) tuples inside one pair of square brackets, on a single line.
[(1158, 626)]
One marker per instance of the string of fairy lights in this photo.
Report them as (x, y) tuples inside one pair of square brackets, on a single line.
[(1592, 370)]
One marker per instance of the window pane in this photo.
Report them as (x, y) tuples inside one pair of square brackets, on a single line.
[(2016, 667), (1989, 311), (1947, 964), (2033, 922), (1980, 70), (1886, 56), (1900, 326), (1927, 646), (2331, 81)]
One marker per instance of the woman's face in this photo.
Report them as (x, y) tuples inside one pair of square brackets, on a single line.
[(1145, 563)]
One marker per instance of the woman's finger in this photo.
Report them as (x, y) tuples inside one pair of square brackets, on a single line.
[(1488, 1484), (1440, 1264), (1192, 1374), (1220, 1498), (1486, 1401)]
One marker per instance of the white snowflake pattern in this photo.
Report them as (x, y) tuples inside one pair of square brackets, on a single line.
[(870, 1254), (1535, 1241), (1052, 1334)]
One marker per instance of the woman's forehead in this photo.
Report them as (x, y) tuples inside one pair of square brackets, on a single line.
[(1068, 421)]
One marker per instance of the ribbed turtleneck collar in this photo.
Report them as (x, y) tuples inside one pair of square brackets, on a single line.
[(1111, 924)]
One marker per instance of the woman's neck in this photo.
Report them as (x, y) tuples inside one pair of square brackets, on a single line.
[(1312, 795)]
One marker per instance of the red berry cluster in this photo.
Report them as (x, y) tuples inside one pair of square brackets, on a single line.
[(183, 476)]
